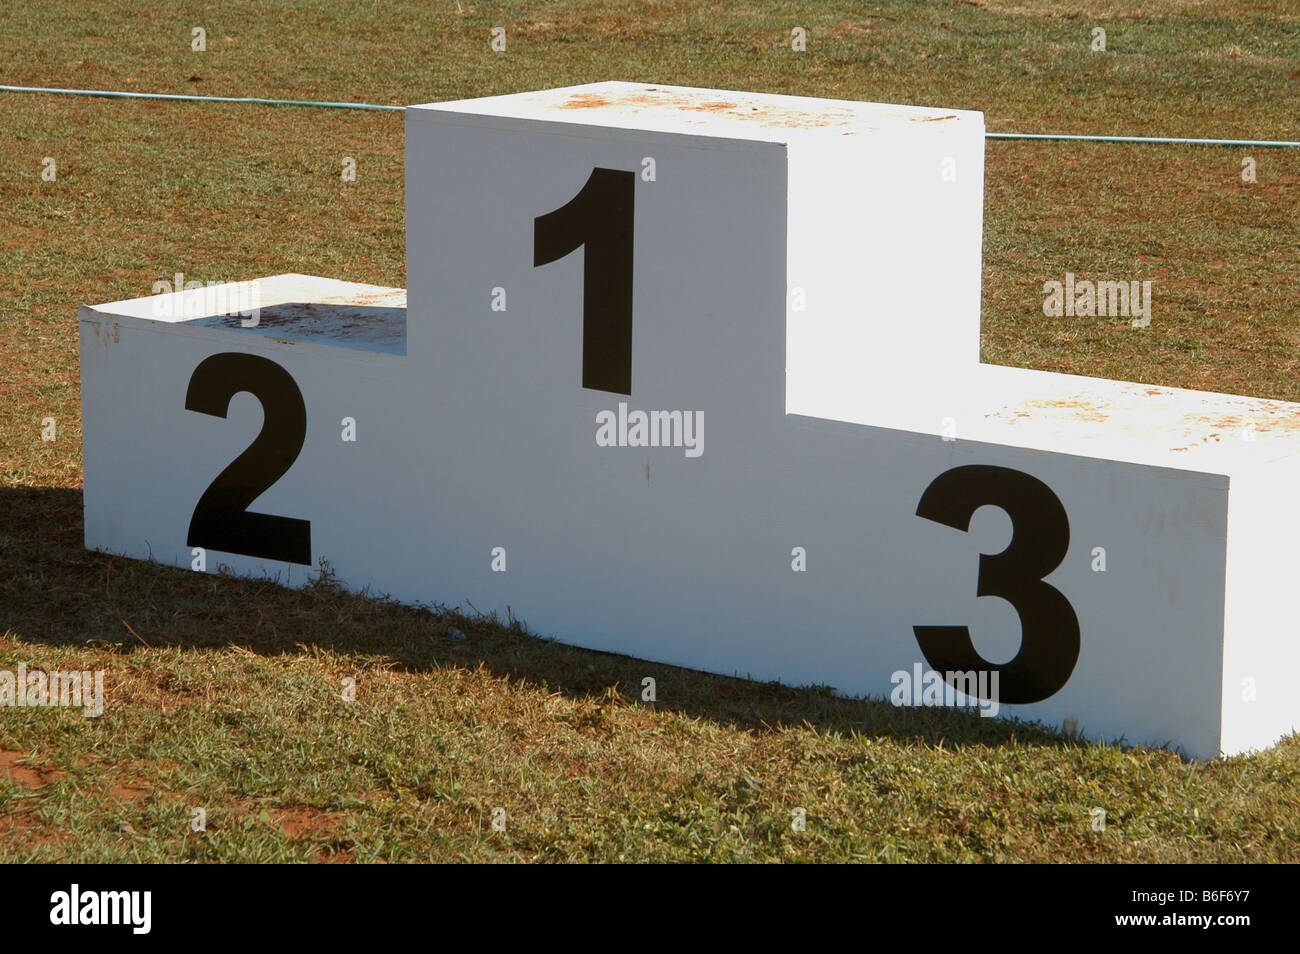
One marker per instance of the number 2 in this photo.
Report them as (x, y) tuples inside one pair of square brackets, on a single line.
[(221, 519)]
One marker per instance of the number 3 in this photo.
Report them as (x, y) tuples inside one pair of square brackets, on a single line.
[(1049, 640)]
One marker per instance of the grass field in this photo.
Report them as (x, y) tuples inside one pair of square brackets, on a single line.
[(224, 694)]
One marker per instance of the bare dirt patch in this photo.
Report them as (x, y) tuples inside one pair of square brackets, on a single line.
[(27, 776)]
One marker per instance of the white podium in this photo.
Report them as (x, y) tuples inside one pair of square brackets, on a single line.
[(693, 375)]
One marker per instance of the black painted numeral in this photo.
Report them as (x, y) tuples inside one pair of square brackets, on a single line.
[(221, 520), (599, 220), (1049, 641)]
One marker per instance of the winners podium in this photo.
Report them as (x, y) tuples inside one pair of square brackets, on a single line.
[(694, 376)]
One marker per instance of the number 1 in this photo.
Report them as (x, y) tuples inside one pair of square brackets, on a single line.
[(599, 219)]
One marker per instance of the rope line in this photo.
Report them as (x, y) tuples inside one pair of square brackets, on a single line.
[(1055, 137)]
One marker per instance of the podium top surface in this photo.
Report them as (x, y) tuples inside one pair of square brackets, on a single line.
[(724, 114), (291, 307), (1204, 432)]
